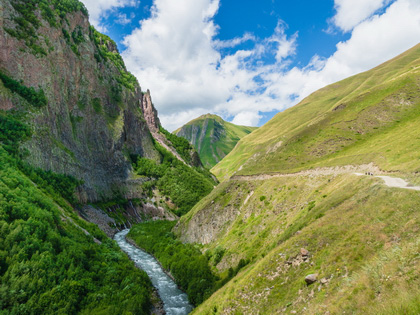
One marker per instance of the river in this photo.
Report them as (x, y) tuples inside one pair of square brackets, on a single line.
[(175, 301)]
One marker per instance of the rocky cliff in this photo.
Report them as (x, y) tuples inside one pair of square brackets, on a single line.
[(94, 112)]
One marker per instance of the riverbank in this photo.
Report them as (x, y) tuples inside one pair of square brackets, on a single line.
[(174, 300)]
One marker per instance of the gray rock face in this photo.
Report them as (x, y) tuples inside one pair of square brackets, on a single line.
[(92, 121)]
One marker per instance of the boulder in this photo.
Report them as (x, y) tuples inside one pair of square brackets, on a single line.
[(309, 279)]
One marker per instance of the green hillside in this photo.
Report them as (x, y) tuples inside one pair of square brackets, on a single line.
[(299, 209), (212, 137), (51, 261), (370, 117)]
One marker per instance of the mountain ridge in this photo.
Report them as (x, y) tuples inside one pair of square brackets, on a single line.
[(291, 204), (212, 137)]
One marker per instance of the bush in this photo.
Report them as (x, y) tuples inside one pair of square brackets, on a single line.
[(183, 184), (96, 104), (181, 145), (37, 99)]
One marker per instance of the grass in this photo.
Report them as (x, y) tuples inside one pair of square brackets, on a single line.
[(354, 121), (214, 137), (361, 235)]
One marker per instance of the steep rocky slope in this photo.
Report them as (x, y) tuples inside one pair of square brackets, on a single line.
[(88, 116), (212, 137), (92, 119), (294, 206), (93, 115)]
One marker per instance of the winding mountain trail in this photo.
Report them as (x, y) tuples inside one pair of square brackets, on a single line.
[(360, 170), (395, 182), (321, 171)]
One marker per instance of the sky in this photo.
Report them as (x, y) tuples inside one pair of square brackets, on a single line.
[(248, 60)]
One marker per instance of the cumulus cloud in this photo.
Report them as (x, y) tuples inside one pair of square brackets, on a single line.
[(176, 55), (351, 12), (99, 9)]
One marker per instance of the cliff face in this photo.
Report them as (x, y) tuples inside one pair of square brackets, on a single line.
[(92, 120)]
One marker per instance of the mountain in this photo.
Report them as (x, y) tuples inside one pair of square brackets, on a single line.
[(298, 223), (212, 137), (365, 118), (87, 114), (79, 140)]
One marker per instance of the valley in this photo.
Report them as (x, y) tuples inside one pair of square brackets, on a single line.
[(104, 211)]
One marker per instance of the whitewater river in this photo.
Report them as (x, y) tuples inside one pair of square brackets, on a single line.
[(175, 301)]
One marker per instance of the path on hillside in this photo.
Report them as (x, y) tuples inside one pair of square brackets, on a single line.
[(395, 182), (337, 170), (359, 170)]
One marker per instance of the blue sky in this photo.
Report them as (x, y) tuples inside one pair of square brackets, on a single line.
[(248, 60)]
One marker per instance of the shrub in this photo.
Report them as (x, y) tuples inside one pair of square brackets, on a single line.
[(37, 99)]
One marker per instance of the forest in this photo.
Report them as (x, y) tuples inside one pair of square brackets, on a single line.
[(51, 261)]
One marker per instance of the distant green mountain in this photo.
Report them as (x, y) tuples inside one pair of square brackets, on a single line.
[(212, 137)]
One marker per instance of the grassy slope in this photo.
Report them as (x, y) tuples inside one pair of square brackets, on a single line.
[(374, 110), (363, 236), (357, 237), (220, 137)]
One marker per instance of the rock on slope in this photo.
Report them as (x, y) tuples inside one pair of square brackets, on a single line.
[(362, 236), (212, 137)]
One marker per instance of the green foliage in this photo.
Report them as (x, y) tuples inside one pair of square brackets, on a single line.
[(66, 34), (186, 263), (103, 44), (77, 35), (181, 145), (37, 99), (96, 104), (48, 264), (183, 184), (12, 132), (27, 22), (52, 183)]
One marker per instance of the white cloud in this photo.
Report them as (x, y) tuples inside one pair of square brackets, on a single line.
[(123, 19), (99, 9), (174, 53), (351, 12)]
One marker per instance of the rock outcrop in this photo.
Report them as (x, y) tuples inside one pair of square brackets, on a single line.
[(93, 120)]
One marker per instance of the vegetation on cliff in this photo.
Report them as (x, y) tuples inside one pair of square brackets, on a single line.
[(183, 184), (50, 260), (212, 137), (33, 97), (27, 21)]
